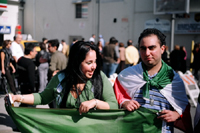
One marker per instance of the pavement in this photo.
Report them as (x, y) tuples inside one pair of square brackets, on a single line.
[(8, 126), (6, 123)]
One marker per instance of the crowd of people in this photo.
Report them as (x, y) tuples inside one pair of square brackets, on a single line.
[(80, 79)]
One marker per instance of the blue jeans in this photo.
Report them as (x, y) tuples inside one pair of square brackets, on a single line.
[(109, 68)]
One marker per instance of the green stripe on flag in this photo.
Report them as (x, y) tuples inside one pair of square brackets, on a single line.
[(3, 2), (96, 121)]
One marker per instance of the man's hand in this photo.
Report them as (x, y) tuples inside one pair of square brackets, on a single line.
[(131, 105), (168, 115)]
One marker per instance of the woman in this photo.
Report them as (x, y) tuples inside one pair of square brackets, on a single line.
[(42, 61), (6, 57), (81, 85)]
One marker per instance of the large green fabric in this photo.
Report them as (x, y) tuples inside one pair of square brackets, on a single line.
[(98, 121), (164, 77)]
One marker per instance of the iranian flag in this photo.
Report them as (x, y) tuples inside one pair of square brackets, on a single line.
[(96, 121), (197, 117), (3, 5)]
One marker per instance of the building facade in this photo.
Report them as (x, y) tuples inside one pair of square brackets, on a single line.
[(123, 19)]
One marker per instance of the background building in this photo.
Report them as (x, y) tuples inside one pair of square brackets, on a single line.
[(123, 19)]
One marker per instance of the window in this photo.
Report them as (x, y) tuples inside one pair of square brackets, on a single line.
[(82, 10)]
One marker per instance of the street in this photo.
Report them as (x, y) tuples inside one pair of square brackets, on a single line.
[(7, 125)]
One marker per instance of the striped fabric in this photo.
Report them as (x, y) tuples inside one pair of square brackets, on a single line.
[(3, 5), (159, 103)]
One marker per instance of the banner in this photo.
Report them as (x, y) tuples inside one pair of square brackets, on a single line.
[(37, 120)]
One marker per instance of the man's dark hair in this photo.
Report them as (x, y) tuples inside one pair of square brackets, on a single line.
[(74, 39), (62, 40), (129, 43), (150, 31), (113, 40), (43, 39), (28, 48), (54, 43)]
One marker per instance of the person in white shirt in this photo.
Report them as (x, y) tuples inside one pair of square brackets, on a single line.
[(92, 39), (17, 48)]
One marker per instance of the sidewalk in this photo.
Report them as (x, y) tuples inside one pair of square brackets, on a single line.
[(6, 123)]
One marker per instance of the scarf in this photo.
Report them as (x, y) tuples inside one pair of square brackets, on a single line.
[(164, 77)]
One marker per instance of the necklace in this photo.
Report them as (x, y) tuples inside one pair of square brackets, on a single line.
[(152, 100)]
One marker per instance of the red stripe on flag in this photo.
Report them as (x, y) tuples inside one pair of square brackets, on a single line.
[(1, 6), (185, 123), (120, 93)]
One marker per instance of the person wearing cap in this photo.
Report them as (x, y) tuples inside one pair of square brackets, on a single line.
[(102, 40)]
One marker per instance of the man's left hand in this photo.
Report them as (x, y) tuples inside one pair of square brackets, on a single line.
[(168, 115)]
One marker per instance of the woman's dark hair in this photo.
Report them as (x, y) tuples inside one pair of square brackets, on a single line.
[(150, 31), (73, 72), (5, 43), (42, 46)]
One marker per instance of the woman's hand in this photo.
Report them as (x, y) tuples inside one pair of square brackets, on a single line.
[(86, 106), (13, 71), (3, 71), (131, 105)]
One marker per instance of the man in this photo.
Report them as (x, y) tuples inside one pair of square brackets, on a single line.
[(152, 84), (131, 54), (26, 68), (92, 39), (17, 48), (74, 41), (110, 57), (58, 60)]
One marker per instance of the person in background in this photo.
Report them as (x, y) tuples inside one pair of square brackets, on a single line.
[(110, 57), (152, 84), (99, 45), (183, 53), (27, 71), (92, 39), (6, 57), (58, 62), (166, 56), (65, 49), (122, 57), (45, 40), (131, 54), (81, 85), (175, 58), (60, 47), (196, 64), (42, 61), (16, 47), (73, 42), (102, 40)]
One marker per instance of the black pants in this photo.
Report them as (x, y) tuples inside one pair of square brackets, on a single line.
[(10, 80)]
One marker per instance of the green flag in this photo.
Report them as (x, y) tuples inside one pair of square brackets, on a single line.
[(96, 121)]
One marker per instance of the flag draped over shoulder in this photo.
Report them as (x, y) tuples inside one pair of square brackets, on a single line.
[(98, 121), (197, 117)]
